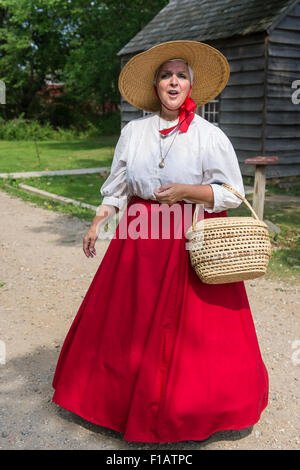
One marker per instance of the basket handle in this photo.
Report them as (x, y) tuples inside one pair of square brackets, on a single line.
[(234, 191)]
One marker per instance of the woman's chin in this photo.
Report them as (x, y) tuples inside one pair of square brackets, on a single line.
[(172, 106)]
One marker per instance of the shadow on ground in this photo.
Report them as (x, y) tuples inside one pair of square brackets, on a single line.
[(30, 420)]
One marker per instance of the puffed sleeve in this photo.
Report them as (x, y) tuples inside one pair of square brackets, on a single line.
[(114, 189), (220, 165)]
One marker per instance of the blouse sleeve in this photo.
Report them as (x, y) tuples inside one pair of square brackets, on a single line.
[(114, 189), (220, 165)]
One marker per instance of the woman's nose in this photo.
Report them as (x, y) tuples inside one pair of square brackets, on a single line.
[(174, 79)]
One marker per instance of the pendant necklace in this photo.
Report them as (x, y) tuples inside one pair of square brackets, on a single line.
[(162, 162)]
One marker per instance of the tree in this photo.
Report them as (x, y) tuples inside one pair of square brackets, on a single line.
[(76, 41), (32, 45)]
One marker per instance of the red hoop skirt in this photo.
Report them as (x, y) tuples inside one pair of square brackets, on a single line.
[(156, 354)]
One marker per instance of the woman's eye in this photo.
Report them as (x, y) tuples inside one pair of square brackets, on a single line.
[(167, 75)]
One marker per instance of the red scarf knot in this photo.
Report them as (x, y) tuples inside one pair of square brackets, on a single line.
[(186, 114)]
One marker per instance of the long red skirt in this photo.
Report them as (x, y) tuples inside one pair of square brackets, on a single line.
[(155, 353)]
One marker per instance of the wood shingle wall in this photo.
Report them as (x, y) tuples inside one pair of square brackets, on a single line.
[(282, 120), (242, 100)]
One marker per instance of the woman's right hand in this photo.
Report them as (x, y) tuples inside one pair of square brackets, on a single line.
[(89, 241), (104, 212)]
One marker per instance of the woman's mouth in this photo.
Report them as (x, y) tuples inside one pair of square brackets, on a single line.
[(173, 93)]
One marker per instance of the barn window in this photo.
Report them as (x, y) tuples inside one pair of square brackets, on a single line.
[(210, 111)]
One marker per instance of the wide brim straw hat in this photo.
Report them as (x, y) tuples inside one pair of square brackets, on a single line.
[(211, 73)]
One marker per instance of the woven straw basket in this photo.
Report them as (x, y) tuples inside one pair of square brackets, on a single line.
[(229, 249)]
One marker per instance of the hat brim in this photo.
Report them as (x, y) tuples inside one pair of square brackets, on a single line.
[(211, 73)]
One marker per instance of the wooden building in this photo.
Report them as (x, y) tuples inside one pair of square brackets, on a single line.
[(259, 109)]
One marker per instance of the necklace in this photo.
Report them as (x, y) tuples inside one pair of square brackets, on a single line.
[(162, 162)]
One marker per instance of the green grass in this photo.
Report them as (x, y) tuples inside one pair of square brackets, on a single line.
[(11, 187), (85, 188), (16, 156), (273, 188), (285, 265)]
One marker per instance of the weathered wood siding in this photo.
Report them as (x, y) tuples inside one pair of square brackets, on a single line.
[(282, 120), (256, 108), (242, 101)]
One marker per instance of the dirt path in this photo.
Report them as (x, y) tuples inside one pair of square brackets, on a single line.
[(46, 276)]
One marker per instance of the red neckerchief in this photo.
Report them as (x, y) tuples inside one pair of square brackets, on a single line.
[(186, 114)]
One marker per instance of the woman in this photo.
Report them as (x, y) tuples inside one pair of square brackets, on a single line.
[(153, 352)]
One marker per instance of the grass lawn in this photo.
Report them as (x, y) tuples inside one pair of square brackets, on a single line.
[(85, 188), (18, 156), (11, 187), (273, 188)]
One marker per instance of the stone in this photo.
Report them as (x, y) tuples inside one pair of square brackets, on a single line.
[(272, 227)]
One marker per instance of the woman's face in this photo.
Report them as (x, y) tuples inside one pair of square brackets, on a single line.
[(173, 83)]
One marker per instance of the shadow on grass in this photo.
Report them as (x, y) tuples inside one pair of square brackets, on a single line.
[(79, 163), (93, 162), (284, 265), (78, 145)]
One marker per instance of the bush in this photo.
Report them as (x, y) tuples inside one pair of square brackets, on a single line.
[(110, 123), (26, 129)]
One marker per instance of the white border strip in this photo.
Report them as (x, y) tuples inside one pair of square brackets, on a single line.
[(30, 174)]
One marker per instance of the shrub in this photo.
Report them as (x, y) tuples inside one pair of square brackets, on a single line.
[(26, 129)]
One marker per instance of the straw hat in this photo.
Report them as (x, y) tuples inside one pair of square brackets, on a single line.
[(211, 72)]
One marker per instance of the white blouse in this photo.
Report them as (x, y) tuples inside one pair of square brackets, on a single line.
[(202, 155)]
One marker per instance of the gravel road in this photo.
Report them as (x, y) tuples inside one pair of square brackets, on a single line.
[(46, 276)]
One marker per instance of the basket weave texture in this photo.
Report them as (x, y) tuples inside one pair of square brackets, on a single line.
[(229, 249)]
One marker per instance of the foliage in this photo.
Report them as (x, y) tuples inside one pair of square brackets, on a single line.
[(76, 42), (25, 129)]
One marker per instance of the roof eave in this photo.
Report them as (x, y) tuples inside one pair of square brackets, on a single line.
[(281, 15), (131, 46)]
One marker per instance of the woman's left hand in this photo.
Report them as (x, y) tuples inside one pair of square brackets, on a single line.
[(170, 193)]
